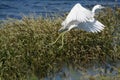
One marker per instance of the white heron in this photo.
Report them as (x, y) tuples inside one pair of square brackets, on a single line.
[(81, 18)]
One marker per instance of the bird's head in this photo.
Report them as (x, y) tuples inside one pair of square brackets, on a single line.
[(99, 6)]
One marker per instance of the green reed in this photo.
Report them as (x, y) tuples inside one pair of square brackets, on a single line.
[(24, 49)]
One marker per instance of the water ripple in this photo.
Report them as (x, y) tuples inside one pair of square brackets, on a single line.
[(26, 7)]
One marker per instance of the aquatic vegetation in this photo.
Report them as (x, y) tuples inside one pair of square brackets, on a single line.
[(24, 49)]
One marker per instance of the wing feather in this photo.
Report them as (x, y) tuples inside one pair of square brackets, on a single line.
[(81, 18), (94, 26), (78, 13)]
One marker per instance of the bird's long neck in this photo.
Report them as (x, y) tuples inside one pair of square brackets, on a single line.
[(94, 9)]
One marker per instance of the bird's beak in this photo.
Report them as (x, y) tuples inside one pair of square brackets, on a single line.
[(102, 7)]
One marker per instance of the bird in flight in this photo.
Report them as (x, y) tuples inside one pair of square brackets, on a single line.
[(82, 18)]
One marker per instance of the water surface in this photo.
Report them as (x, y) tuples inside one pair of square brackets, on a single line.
[(16, 8)]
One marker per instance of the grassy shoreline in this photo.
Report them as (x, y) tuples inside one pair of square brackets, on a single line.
[(24, 49)]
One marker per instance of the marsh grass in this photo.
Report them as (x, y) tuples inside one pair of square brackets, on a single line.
[(24, 50)]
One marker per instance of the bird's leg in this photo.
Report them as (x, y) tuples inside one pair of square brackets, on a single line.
[(62, 40), (62, 34), (56, 40)]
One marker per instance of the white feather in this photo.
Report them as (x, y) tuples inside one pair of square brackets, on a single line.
[(94, 26), (78, 13), (82, 18)]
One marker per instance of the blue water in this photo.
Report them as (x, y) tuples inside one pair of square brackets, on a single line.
[(16, 8)]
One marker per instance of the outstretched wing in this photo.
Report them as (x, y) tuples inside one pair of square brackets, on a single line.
[(81, 18), (91, 26), (78, 13)]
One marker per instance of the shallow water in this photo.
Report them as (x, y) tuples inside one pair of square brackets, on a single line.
[(110, 70), (16, 8)]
